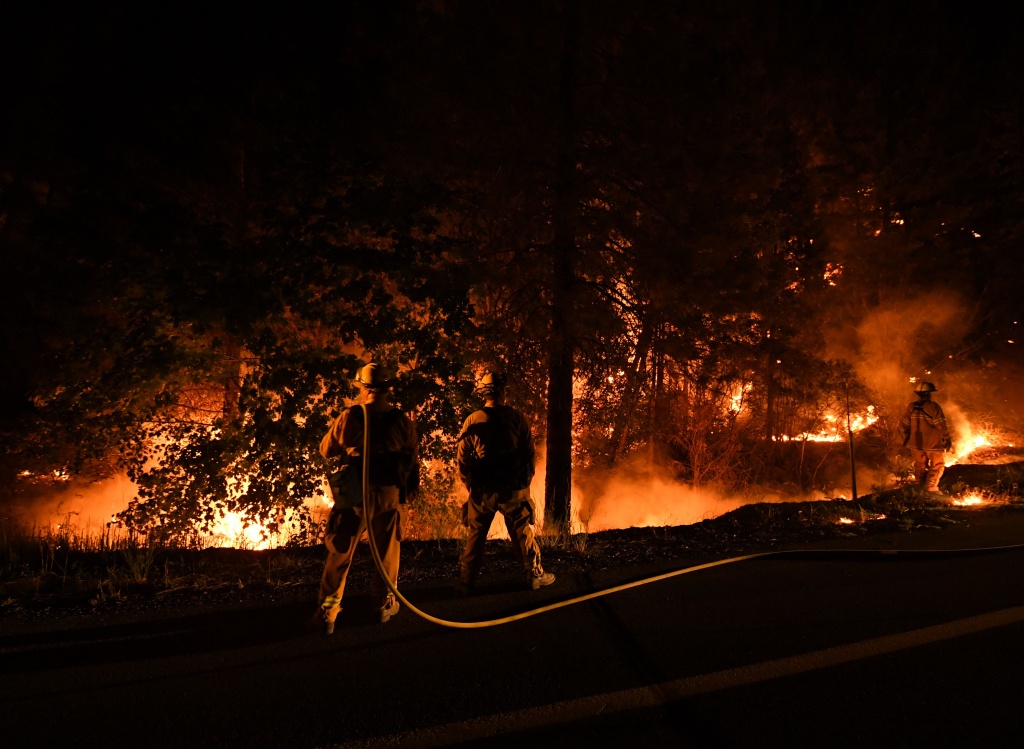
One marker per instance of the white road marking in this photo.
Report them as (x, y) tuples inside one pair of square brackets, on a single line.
[(668, 691)]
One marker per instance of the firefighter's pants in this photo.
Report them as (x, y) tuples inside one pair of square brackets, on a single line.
[(342, 537), (518, 509), (929, 466)]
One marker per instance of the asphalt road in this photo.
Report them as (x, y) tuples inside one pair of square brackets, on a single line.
[(813, 649)]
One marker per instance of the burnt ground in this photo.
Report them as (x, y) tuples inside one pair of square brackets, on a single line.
[(39, 586)]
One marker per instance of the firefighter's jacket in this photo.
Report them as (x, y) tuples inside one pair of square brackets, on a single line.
[(924, 426), (496, 450), (393, 446)]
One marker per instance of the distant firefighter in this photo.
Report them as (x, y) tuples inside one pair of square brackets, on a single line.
[(393, 476), (496, 460), (926, 433)]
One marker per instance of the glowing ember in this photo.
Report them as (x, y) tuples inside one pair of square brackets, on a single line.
[(864, 518), (969, 500), (57, 475)]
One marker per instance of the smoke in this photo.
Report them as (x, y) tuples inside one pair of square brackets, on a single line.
[(902, 338), (930, 335), (637, 494), (84, 506), (621, 500), (631, 496)]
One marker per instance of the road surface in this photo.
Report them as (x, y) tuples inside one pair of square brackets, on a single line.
[(815, 649)]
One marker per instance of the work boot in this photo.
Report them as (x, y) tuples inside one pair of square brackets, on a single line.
[(328, 615), (388, 607), (464, 589), (538, 578)]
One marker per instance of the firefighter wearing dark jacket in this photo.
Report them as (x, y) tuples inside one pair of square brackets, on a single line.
[(393, 477), (926, 433), (496, 460)]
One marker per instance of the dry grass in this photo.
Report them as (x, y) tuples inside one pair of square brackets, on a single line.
[(43, 573)]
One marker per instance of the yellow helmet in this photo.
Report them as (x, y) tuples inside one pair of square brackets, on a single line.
[(925, 387), (373, 377)]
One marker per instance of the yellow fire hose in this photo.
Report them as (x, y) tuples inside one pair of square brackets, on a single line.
[(392, 586)]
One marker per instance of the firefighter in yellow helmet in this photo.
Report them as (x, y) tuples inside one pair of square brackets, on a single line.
[(496, 461), (393, 477), (926, 433)]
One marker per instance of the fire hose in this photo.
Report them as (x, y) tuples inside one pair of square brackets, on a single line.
[(393, 587)]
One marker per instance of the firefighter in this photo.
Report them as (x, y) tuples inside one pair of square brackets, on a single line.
[(926, 433), (393, 478), (496, 459)]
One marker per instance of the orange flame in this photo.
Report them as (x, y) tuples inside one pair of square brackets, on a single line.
[(965, 447), (836, 432)]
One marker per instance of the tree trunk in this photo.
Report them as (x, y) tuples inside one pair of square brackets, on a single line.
[(634, 379), (655, 418), (562, 342)]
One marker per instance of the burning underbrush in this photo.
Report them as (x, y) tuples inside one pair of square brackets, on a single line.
[(622, 522), (44, 575)]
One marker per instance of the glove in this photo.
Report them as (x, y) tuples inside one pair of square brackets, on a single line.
[(947, 444)]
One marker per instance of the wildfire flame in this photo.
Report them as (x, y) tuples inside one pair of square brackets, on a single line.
[(836, 429), (232, 530), (967, 446)]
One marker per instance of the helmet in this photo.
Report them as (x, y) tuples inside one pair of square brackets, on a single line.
[(925, 387), (490, 384), (373, 377)]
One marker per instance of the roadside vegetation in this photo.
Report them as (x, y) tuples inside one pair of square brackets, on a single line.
[(46, 572)]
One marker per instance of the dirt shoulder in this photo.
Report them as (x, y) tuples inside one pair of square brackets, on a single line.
[(89, 588)]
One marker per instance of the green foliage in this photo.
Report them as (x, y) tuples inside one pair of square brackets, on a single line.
[(653, 193)]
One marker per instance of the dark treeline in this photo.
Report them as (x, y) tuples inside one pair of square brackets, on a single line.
[(641, 210)]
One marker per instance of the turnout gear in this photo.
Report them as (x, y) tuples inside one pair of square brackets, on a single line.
[(496, 450), (926, 432), (393, 475), (392, 459), (924, 426), (496, 463), (385, 525), (518, 510)]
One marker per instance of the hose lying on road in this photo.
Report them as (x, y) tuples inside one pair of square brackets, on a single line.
[(392, 586)]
